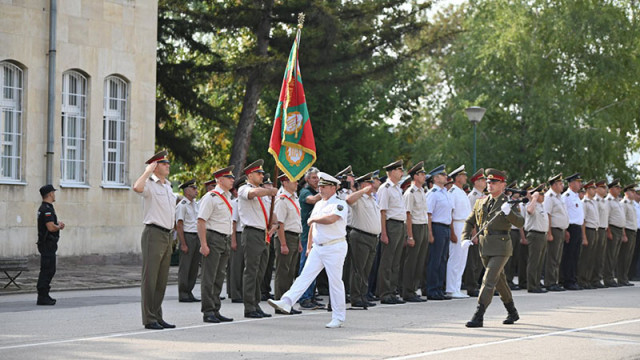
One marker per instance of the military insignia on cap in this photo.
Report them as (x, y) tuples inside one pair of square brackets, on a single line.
[(495, 175), (574, 177), (477, 175), (458, 171), (417, 168), (365, 178), (267, 179), (437, 170), (327, 180), (614, 183), (226, 172), (345, 172), (589, 184), (255, 166), (160, 157), (186, 184), (601, 183), (394, 165), (555, 178), (340, 207)]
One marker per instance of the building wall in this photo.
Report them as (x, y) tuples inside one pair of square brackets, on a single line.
[(98, 38)]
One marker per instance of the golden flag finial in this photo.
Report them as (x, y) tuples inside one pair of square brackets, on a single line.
[(300, 20)]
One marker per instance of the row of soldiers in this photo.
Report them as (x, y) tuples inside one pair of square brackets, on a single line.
[(405, 233)]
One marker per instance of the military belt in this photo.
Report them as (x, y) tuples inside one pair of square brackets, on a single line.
[(537, 232), (218, 233), (291, 233), (363, 232), (331, 242), (253, 228), (496, 232), (159, 227)]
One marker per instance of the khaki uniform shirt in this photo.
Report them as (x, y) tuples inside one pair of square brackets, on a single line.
[(554, 206), (631, 222), (390, 199), (591, 215), (415, 202), (287, 212), (251, 212), (235, 217), (159, 203), (366, 215), (215, 211), (538, 220), (474, 195), (603, 212), (616, 212), (187, 211)]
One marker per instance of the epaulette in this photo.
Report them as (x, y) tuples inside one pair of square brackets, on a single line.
[(434, 189), (387, 185), (566, 194), (183, 202), (451, 190), (413, 190), (475, 193)]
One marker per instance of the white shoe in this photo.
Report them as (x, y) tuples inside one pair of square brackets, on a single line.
[(335, 323), (459, 295), (280, 305)]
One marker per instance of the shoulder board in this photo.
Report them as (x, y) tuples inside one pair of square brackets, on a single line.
[(566, 194), (451, 190), (434, 189), (413, 190), (625, 201), (475, 193), (610, 198), (184, 201), (387, 185)]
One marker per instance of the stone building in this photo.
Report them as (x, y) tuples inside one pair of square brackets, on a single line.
[(103, 120)]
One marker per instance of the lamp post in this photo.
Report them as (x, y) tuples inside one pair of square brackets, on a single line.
[(475, 114)]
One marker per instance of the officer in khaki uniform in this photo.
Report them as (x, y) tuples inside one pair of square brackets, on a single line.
[(215, 226), (536, 225), (558, 224), (287, 242), (393, 215), (587, 260), (363, 238), (253, 209), (601, 238), (159, 218), (187, 231), (615, 233), (417, 244), (495, 245), (630, 228), (473, 268)]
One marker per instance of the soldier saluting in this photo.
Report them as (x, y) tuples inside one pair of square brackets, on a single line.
[(497, 215)]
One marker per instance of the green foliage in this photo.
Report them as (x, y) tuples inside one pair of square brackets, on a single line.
[(560, 83), (359, 62)]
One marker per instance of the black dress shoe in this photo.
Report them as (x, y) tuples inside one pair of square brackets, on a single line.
[(222, 318), (154, 326), (165, 324), (253, 315), (264, 314), (195, 299), (573, 287), (435, 297), (514, 287), (538, 291), (555, 287), (185, 300), (389, 300), (359, 304), (399, 301), (598, 285), (45, 301), (237, 301), (371, 297), (445, 297), (210, 319), (413, 299), (222, 298), (473, 293), (611, 284), (371, 304)]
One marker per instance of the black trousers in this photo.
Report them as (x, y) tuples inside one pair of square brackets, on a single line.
[(47, 250), (570, 254)]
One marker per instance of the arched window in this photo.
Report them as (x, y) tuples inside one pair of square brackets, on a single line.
[(74, 128), (116, 98), (11, 92)]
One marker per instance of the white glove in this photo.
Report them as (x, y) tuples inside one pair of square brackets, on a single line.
[(466, 244), (506, 208)]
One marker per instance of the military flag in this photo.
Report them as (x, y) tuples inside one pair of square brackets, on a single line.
[(292, 144)]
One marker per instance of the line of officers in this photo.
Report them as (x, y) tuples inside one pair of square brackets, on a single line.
[(404, 234)]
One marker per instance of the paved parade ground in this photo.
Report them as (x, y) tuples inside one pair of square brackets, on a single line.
[(105, 324)]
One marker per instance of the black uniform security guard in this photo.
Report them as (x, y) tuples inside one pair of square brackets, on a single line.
[(48, 235), (495, 245)]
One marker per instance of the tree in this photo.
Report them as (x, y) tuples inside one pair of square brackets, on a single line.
[(560, 83)]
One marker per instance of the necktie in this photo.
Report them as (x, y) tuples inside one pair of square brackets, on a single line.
[(491, 202)]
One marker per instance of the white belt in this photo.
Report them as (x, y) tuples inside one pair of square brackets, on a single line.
[(331, 242), (460, 220)]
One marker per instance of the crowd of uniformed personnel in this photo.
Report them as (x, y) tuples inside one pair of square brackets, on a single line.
[(407, 238)]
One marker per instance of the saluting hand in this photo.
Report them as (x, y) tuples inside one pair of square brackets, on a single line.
[(151, 167)]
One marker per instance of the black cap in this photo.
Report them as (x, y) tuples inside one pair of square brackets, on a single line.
[(574, 177), (539, 188), (345, 172), (365, 178), (375, 175), (186, 184), (417, 168), (394, 165), (267, 179), (47, 189), (614, 183), (630, 187)]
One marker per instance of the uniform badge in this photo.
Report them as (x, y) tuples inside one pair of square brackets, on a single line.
[(340, 207), (412, 190), (387, 185), (184, 201), (576, 205)]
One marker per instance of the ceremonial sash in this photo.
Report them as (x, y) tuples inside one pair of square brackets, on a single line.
[(266, 221), (224, 199), (292, 202)]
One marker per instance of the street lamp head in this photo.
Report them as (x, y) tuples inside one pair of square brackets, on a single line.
[(475, 113)]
